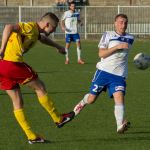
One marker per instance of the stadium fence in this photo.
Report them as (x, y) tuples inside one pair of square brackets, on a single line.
[(96, 20)]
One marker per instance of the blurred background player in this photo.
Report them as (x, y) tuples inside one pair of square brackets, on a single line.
[(17, 40), (69, 23), (112, 70)]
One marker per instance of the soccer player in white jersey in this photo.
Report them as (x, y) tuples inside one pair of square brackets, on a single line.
[(69, 23), (111, 73)]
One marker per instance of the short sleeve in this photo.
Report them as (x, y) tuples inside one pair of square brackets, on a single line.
[(63, 16), (24, 28), (104, 41)]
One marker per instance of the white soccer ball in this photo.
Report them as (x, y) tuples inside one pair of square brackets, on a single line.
[(141, 61)]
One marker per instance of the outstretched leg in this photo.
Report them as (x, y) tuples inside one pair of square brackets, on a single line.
[(48, 104), (87, 99)]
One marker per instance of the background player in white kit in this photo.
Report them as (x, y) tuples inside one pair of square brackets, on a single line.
[(69, 23), (112, 70)]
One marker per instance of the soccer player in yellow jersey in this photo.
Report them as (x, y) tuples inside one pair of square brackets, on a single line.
[(17, 40)]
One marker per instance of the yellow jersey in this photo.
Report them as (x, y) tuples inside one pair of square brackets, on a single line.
[(21, 42)]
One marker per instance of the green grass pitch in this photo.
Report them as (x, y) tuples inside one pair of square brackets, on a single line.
[(94, 128)]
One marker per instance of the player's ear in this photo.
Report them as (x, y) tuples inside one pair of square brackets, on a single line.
[(47, 24)]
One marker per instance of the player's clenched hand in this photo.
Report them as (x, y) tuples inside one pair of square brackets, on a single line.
[(123, 46), (61, 50)]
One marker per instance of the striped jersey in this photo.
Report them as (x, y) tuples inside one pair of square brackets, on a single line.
[(117, 62), (71, 21)]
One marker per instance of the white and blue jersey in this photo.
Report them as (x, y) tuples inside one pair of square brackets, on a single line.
[(112, 70), (71, 21), (117, 62), (71, 24)]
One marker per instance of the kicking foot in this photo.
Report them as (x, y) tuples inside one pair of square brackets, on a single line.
[(65, 119), (124, 127)]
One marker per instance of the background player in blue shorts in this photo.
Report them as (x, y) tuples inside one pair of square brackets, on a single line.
[(69, 22)]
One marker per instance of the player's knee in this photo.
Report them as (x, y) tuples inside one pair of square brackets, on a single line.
[(40, 88), (91, 101), (41, 92), (118, 97)]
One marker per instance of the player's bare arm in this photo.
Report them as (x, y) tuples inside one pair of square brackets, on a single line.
[(8, 29), (80, 22), (62, 23), (45, 40), (103, 52)]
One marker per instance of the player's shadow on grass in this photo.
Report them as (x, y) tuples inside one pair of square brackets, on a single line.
[(102, 140), (139, 132), (137, 137), (62, 71), (58, 92), (49, 72)]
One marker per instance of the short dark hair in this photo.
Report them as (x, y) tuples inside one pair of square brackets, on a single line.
[(70, 3), (51, 15), (122, 16)]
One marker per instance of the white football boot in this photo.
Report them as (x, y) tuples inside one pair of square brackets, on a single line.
[(124, 127)]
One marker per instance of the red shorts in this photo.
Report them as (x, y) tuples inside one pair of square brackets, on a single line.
[(14, 73)]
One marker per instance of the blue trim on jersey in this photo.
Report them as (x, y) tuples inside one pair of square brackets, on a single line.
[(123, 39), (75, 15), (72, 38), (103, 80), (104, 37)]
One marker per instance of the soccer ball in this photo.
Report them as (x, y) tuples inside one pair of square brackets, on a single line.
[(141, 61)]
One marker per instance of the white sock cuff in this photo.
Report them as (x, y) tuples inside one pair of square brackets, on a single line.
[(78, 53), (78, 48), (119, 106), (119, 113), (67, 57), (85, 98)]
